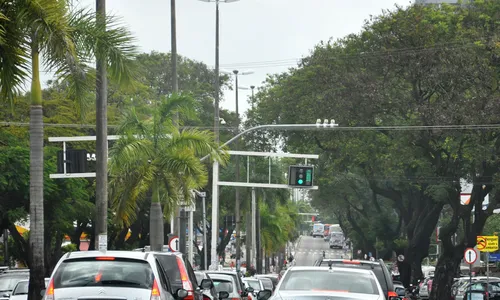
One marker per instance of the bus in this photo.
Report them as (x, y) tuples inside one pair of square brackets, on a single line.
[(319, 230)]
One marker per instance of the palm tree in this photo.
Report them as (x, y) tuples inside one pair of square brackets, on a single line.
[(155, 161), (46, 32)]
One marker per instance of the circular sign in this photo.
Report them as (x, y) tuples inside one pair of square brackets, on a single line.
[(470, 256), (401, 258), (174, 244), (372, 258), (481, 243)]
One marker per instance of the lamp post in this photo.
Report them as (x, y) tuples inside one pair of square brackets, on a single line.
[(237, 214), (215, 184), (215, 205)]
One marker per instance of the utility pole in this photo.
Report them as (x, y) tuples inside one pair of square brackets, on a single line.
[(237, 196), (101, 229)]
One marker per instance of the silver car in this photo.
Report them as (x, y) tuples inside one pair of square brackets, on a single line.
[(310, 283), (125, 275)]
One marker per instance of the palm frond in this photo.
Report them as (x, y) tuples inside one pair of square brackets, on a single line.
[(201, 142), (183, 163), (116, 43), (181, 104), (13, 54), (129, 152), (131, 123)]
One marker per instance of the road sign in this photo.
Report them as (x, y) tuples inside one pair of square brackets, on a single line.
[(401, 258), (174, 244), (487, 243), (470, 256)]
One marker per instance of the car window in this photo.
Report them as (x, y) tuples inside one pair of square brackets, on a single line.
[(21, 288), (377, 270), (96, 272), (254, 284), (190, 271), (199, 277), (477, 287), (8, 283), (223, 285), (334, 281), (169, 264), (267, 283)]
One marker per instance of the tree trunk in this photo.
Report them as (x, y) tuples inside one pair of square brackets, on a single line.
[(101, 228), (156, 221), (36, 239)]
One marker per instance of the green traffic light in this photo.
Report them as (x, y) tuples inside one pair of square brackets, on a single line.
[(300, 181)]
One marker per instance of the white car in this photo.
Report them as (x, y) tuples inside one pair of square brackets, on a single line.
[(20, 292), (311, 283)]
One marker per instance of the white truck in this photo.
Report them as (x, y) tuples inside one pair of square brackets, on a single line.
[(318, 230)]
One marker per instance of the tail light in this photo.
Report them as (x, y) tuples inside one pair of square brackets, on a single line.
[(351, 262), (186, 284), (205, 297), (391, 294), (49, 292), (155, 291)]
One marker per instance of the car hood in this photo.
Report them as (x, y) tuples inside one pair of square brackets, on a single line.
[(322, 295)]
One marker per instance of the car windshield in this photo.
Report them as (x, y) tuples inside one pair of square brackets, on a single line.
[(268, 284), (254, 284), (106, 271), (21, 288), (8, 283), (222, 285), (352, 282)]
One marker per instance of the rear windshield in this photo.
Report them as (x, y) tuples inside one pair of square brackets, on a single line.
[(223, 285), (254, 284), (336, 281), (268, 284), (377, 269), (95, 272), (21, 288), (8, 282)]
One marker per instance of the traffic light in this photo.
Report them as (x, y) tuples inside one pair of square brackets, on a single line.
[(300, 176)]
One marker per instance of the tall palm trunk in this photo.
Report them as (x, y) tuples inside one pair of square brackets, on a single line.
[(156, 220), (101, 133), (36, 238)]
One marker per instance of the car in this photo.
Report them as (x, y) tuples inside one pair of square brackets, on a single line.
[(255, 284), (180, 272), (115, 274), (266, 282), (311, 283), (9, 280), (227, 283), (273, 277), (210, 293), (378, 267), (238, 279)]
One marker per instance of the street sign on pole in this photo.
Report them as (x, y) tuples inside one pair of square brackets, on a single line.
[(470, 256), (487, 243), (174, 244)]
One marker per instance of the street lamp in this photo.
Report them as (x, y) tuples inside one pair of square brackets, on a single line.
[(215, 174), (237, 213)]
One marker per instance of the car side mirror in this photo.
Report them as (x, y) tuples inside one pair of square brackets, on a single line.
[(249, 289), (223, 295), (206, 284), (401, 292), (42, 292), (181, 293), (264, 295), (6, 295)]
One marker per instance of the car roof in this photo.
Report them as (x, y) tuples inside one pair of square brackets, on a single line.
[(365, 262), (339, 269), (221, 276), (118, 254)]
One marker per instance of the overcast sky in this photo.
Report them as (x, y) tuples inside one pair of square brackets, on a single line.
[(265, 36)]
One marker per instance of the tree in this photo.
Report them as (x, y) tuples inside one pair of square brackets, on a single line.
[(66, 40), (160, 164), (420, 66)]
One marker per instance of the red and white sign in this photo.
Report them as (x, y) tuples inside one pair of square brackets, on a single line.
[(174, 244), (470, 256)]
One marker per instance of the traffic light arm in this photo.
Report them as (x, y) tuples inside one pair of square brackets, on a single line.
[(275, 127)]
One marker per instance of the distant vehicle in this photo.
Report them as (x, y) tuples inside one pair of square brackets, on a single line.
[(319, 230), (337, 240), (327, 230), (335, 228)]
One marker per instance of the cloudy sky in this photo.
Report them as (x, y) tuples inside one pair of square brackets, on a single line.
[(265, 36)]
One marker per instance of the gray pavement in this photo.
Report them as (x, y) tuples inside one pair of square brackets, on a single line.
[(309, 249)]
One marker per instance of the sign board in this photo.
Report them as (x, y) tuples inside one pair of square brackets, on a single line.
[(103, 242), (372, 258), (173, 244), (487, 243), (494, 257), (401, 258), (470, 256)]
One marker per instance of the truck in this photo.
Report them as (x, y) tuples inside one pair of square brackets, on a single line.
[(318, 230), (337, 240)]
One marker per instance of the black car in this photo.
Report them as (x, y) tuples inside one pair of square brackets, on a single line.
[(378, 267)]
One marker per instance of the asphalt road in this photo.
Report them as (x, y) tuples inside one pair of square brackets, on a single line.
[(310, 249)]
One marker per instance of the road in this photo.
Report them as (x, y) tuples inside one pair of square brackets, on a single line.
[(309, 249)]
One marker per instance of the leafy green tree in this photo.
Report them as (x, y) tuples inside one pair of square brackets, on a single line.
[(154, 161)]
